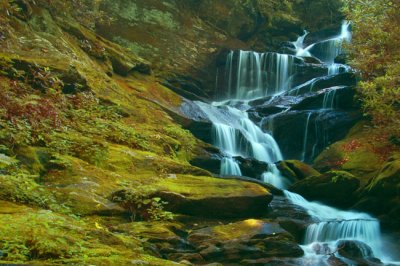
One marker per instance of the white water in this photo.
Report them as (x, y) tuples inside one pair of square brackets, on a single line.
[(305, 137), (334, 225), (275, 178), (252, 75), (236, 135), (326, 50), (299, 46), (329, 99)]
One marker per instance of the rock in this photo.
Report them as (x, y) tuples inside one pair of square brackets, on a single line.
[(211, 197), (324, 127), (343, 99), (334, 188), (353, 249), (268, 262), (248, 239), (296, 170), (282, 210), (189, 257), (351, 153), (382, 195), (252, 167), (343, 79), (387, 183)]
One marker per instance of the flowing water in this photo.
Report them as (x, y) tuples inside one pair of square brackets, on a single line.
[(252, 75)]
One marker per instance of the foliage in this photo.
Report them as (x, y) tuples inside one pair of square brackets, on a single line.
[(141, 204), (375, 52)]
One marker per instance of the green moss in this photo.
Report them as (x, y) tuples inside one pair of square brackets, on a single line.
[(197, 187), (61, 239)]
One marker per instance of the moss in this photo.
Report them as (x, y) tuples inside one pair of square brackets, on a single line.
[(61, 239), (361, 153), (247, 229), (197, 187)]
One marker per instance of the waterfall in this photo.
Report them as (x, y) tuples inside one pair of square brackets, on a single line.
[(326, 50), (252, 75), (305, 137), (329, 99), (236, 135), (299, 46), (334, 69), (334, 224), (275, 178), (230, 167)]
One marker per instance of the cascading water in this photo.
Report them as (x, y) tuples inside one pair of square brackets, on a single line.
[(236, 135), (334, 225), (326, 50), (329, 99), (251, 75)]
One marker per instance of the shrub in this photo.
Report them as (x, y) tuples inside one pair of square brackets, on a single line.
[(375, 52)]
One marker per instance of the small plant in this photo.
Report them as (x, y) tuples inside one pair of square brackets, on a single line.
[(140, 203)]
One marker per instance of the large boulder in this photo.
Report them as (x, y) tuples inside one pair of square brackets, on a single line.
[(351, 154), (209, 197), (334, 187), (248, 239), (382, 195), (357, 252)]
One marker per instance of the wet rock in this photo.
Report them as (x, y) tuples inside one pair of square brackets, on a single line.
[(296, 170), (323, 128), (343, 99), (252, 167), (334, 188), (343, 79), (353, 249)]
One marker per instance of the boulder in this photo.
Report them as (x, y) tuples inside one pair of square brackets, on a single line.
[(351, 154), (248, 239), (210, 197), (387, 183), (382, 195), (353, 249), (334, 188), (296, 170)]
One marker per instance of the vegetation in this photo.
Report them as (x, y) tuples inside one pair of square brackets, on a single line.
[(376, 53)]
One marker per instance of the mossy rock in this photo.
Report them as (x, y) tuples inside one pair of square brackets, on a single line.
[(382, 195), (357, 154), (210, 197), (336, 188), (387, 183), (242, 230), (248, 239), (296, 170)]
